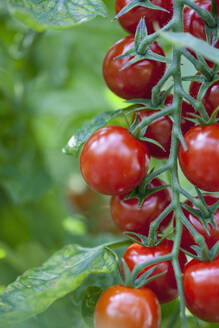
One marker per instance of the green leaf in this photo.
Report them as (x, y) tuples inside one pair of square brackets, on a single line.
[(88, 305), (137, 3), (37, 289), (55, 14), (186, 40), (88, 128)]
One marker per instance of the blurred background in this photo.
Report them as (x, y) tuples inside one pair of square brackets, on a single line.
[(50, 83)]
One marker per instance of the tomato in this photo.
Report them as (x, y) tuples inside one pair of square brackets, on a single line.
[(164, 287), (123, 307), (112, 161), (211, 97), (212, 237), (160, 129), (130, 20), (193, 23), (137, 80), (200, 162), (128, 216), (201, 289)]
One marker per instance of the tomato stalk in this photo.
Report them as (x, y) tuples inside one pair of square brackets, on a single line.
[(176, 24)]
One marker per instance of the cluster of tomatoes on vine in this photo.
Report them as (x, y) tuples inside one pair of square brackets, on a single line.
[(114, 162)]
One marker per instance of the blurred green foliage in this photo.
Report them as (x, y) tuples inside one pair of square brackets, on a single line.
[(50, 84)]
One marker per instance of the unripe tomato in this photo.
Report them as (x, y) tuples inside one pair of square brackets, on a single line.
[(128, 216), (201, 289), (211, 97), (164, 287), (160, 129), (193, 23), (112, 161), (187, 239), (123, 307), (200, 162), (130, 20), (137, 80)]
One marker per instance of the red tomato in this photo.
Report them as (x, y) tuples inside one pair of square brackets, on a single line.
[(211, 97), (130, 20), (137, 80), (201, 289), (200, 162), (160, 129), (212, 238), (128, 216), (123, 307), (193, 23), (112, 161), (164, 287)]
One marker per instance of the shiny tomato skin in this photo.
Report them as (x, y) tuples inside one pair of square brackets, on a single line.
[(137, 80), (212, 237), (160, 129), (130, 20), (200, 162), (112, 161), (128, 216), (164, 287), (123, 307), (201, 289), (194, 25), (211, 97)]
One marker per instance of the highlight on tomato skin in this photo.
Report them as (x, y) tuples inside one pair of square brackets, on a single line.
[(212, 238), (123, 307), (113, 162), (160, 129), (137, 80), (129, 216), (130, 20), (164, 287), (199, 162), (201, 289)]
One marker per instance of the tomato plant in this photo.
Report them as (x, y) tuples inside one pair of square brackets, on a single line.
[(200, 161), (130, 20), (164, 287), (194, 24), (212, 237), (50, 83), (211, 97), (201, 286), (160, 129), (113, 161), (124, 307), (137, 80), (129, 216)]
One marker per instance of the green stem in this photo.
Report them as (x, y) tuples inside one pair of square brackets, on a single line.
[(200, 67), (204, 14), (117, 244)]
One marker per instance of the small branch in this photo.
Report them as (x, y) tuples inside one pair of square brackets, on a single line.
[(204, 14)]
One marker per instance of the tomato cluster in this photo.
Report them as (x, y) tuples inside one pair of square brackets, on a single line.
[(114, 161)]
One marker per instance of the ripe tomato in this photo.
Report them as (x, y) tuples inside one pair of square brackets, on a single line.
[(160, 129), (112, 161), (211, 97), (130, 20), (212, 237), (193, 23), (123, 307), (137, 80), (200, 162), (201, 289), (164, 287), (128, 216)]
